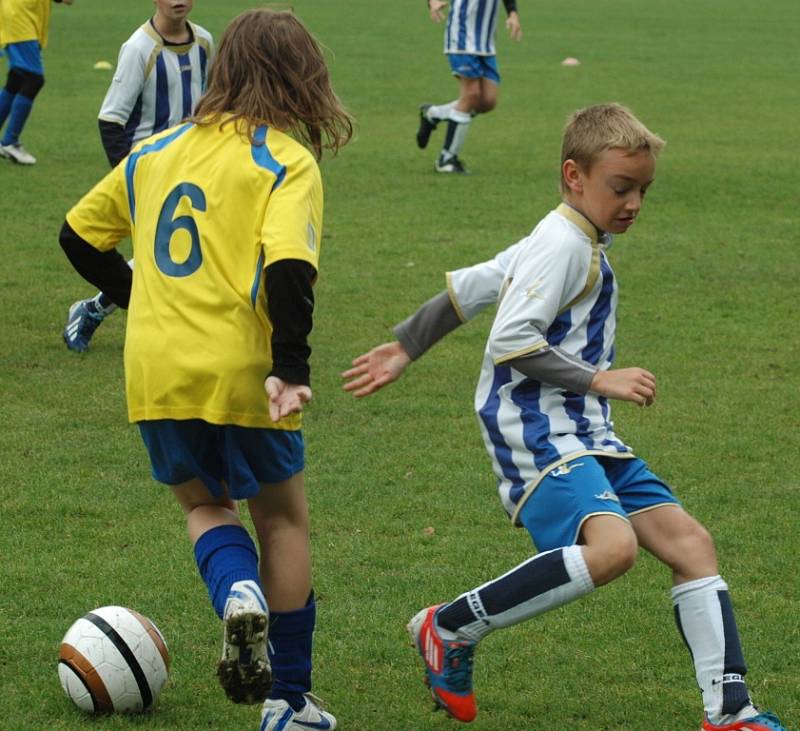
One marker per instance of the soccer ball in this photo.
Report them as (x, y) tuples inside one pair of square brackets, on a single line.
[(113, 660)]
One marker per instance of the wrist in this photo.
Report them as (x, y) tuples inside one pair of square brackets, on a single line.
[(596, 383)]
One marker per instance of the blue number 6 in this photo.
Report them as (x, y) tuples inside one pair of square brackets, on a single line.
[(167, 226)]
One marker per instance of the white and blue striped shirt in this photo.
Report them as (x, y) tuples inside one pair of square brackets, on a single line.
[(470, 27), (560, 291), (157, 85)]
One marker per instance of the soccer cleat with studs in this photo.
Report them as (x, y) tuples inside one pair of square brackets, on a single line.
[(763, 721), (18, 154), (81, 324), (426, 126), (244, 671), (448, 666), (278, 715), (450, 165)]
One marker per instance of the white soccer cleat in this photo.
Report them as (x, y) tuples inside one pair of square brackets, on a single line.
[(18, 154), (244, 670), (277, 715)]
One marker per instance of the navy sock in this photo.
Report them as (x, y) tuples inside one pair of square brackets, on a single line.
[(290, 645), (20, 109), (224, 555), (104, 301)]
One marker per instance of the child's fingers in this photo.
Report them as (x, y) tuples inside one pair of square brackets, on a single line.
[(357, 383), (352, 372)]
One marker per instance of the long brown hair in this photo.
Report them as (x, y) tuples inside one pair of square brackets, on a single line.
[(269, 70)]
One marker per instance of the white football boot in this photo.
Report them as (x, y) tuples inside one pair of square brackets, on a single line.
[(277, 715), (244, 670), (18, 154)]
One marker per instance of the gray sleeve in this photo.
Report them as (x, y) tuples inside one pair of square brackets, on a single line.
[(554, 366), (428, 325)]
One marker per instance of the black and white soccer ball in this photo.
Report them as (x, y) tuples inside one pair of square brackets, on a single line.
[(113, 660)]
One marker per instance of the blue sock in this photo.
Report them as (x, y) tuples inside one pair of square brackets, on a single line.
[(20, 109), (224, 555), (6, 98), (290, 639)]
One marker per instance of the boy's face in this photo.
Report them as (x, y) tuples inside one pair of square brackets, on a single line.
[(610, 194), (173, 9)]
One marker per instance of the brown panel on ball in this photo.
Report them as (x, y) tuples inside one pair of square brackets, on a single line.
[(155, 635), (86, 671)]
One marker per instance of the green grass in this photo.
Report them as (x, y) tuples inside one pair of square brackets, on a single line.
[(708, 302)]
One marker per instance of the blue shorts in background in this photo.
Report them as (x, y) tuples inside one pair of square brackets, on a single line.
[(471, 66), (586, 486), (241, 458), (26, 55)]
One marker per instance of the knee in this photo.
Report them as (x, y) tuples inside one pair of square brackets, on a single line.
[(622, 554), (472, 100), (295, 518), (695, 549), (486, 105), (31, 84), (14, 81), (613, 558)]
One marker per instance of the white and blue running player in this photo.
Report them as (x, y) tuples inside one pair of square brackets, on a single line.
[(161, 74), (543, 404), (469, 44)]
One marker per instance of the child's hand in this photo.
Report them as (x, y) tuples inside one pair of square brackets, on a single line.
[(514, 26), (285, 398), (375, 369), (436, 8), (626, 384)]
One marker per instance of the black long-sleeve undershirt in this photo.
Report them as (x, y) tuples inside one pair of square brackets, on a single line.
[(106, 270), (290, 306), (116, 141)]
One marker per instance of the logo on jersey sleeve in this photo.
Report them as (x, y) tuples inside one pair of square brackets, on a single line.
[(311, 239), (532, 293)]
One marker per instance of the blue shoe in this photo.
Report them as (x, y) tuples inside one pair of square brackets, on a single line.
[(765, 721), (448, 666), (81, 324)]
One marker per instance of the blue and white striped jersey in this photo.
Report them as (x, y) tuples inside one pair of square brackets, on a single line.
[(559, 290), (156, 85), (470, 27)]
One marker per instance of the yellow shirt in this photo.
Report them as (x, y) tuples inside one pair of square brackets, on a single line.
[(207, 212), (24, 20)]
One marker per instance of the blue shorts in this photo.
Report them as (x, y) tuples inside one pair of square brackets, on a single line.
[(474, 67), (586, 486), (237, 457), (26, 55)]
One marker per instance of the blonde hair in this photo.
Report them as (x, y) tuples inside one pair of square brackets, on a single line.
[(592, 130), (269, 70)]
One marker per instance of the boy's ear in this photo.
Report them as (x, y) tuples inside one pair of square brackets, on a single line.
[(573, 176)]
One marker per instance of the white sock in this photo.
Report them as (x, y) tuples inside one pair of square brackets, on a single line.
[(457, 127), (705, 618), (439, 112), (544, 582)]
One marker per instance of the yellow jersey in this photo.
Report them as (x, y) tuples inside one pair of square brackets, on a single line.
[(24, 20), (207, 212)]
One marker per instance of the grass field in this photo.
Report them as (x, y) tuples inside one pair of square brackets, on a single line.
[(708, 302)]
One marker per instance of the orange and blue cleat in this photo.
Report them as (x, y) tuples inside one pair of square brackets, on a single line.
[(762, 722), (448, 666)]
